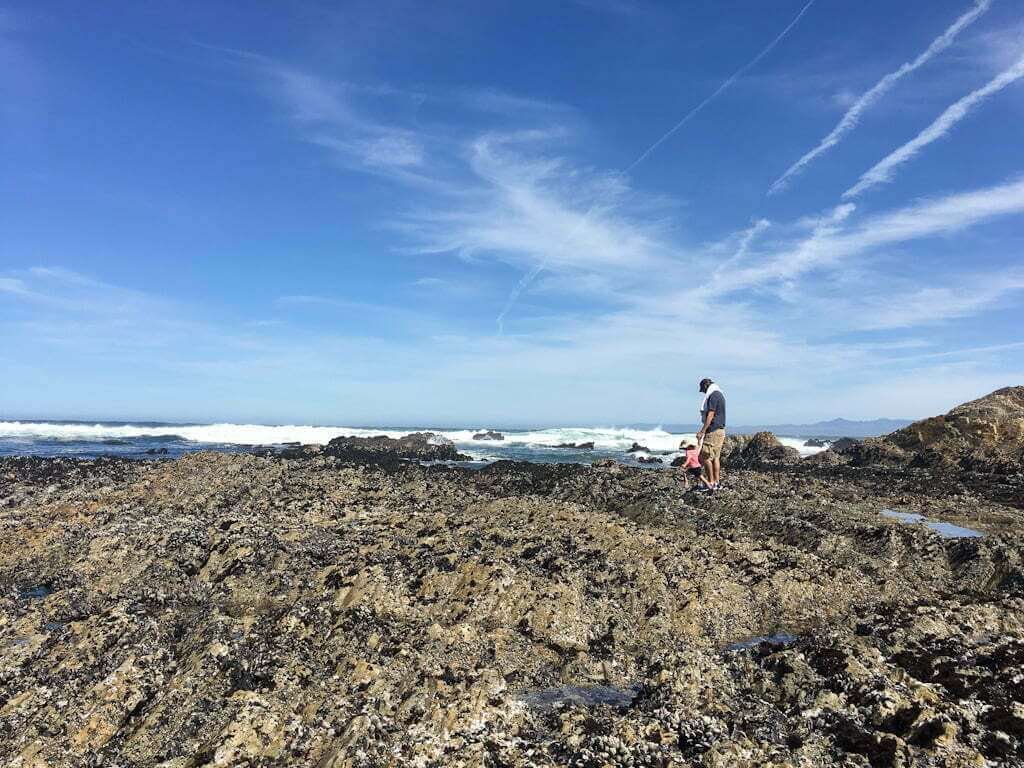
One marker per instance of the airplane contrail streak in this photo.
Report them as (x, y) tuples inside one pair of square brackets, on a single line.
[(530, 276)]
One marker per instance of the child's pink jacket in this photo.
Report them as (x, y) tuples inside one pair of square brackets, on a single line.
[(692, 458)]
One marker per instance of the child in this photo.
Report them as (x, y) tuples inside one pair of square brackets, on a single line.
[(692, 464)]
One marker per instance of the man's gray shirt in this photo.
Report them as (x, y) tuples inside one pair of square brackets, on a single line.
[(716, 403)]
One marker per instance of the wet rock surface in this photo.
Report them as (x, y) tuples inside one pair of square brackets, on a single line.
[(325, 611)]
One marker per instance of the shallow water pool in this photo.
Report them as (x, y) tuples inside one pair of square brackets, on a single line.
[(945, 530), (779, 638)]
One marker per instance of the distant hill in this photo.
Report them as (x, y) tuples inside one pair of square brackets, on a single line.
[(832, 428)]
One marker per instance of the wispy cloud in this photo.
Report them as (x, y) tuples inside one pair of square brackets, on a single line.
[(511, 104), (831, 242), (13, 285), (853, 115), (528, 209), (330, 114), (933, 304), (882, 171)]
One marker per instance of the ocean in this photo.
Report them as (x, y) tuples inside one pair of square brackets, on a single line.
[(149, 440)]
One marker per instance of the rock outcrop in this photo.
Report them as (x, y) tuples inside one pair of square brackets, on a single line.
[(488, 434), (826, 458), (577, 446), (762, 450), (418, 446), (872, 451), (843, 444), (985, 432)]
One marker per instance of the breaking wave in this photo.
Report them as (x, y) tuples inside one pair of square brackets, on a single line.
[(605, 439)]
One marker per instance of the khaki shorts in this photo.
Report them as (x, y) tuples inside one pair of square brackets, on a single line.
[(711, 448)]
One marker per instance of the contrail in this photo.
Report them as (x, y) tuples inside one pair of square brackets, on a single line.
[(735, 76), (852, 117), (532, 274), (944, 123), (749, 235)]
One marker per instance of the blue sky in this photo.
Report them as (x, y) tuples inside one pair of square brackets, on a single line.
[(505, 213)]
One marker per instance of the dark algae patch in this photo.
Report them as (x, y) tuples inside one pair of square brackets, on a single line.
[(585, 696), (780, 639)]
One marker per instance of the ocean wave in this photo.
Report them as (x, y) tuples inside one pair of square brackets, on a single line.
[(224, 434), (605, 439)]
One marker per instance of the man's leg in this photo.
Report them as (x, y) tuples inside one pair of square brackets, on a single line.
[(709, 471), (717, 470)]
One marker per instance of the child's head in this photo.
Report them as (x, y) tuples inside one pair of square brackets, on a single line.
[(691, 446)]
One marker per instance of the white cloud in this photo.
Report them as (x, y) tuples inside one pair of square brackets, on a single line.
[(830, 242), (528, 210), (13, 285), (908, 305), (328, 112), (934, 305)]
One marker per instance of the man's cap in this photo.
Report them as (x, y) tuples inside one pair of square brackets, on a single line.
[(705, 383)]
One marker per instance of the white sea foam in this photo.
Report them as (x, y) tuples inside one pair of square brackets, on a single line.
[(608, 439), (603, 438), (231, 434), (798, 443)]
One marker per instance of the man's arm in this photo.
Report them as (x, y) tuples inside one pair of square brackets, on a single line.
[(707, 423)]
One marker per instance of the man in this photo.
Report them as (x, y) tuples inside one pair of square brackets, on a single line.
[(712, 431)]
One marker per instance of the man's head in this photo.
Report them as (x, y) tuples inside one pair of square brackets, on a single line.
[(704, 384)]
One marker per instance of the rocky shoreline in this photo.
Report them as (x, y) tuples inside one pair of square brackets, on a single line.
[(358, 610)]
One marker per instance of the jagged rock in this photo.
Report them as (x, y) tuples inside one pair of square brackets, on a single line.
[(826, 458), (815, 442), (577, 446), (297, 451), (734, 443), (637, 448), (873, 451), (844, 444), (762, 449), (488, 434), (649, 460), (420, 446), (988, 431)]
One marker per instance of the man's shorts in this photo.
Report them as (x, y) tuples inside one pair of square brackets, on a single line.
[(712, 446)]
